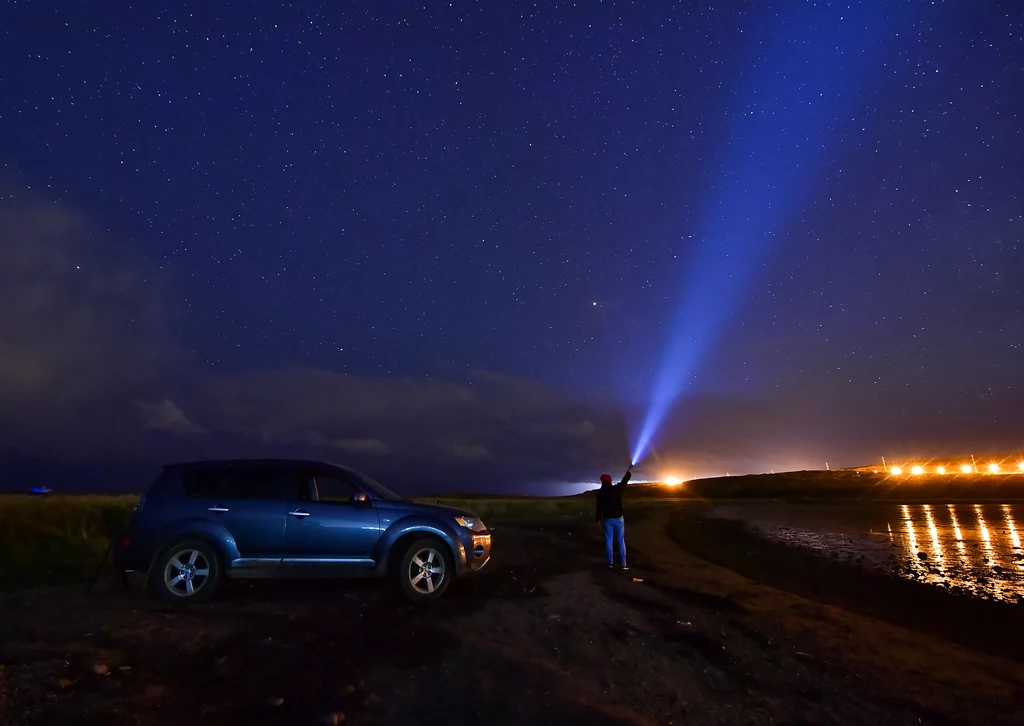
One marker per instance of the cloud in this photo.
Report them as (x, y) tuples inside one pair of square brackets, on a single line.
[(470, 452), (89, 370), (82, 328), (484, 419), (166, 416), (363, 446)]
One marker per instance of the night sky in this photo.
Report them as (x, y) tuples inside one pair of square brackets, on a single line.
[(471, 245)]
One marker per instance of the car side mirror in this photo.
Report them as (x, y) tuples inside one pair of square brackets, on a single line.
[(360, 498)]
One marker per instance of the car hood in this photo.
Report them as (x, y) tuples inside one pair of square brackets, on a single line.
[(432, 509)]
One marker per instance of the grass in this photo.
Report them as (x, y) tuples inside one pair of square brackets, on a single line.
[(63, 538), (498, 510), (58, 538)]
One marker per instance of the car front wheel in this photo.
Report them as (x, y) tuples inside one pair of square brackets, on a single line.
[(425, 570), (188, 572)]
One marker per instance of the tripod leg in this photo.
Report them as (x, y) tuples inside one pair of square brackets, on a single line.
[(98, 570)]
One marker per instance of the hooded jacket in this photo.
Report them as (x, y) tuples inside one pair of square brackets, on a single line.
[(609, 498)]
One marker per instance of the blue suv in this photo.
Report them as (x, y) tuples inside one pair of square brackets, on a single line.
[(202, 522)]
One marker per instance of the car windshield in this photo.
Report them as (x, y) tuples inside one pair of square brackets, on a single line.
[(376, 488)]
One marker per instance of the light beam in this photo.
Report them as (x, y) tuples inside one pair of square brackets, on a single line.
[(778, 130)]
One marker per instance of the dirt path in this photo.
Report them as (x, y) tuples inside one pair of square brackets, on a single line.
[(548, 636)]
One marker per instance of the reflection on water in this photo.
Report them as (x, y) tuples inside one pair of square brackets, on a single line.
[(971, 547), (934, 532), (961, 548), (985, 537)]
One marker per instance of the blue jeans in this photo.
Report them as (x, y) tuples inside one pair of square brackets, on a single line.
[(615, 529)]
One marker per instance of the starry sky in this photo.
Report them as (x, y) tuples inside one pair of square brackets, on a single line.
[(452, 243)]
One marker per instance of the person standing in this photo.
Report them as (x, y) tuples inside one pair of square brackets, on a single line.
[(609, 511)]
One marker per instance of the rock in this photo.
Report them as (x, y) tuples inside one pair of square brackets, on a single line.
[(331, 719), (100, 669), (922, 555), (275, 701), (125, 669)]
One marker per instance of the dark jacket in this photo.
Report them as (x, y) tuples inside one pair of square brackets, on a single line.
[(609, 499)]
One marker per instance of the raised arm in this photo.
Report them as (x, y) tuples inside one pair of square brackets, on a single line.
[(626, 477)]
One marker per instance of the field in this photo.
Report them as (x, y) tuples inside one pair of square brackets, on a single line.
[(63, 538), (60, 539), (698, 632), (711, 626)]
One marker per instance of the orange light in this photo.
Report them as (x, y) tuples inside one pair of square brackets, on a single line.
[(917, 470), (896, 471), (994, 468), (966, 469), (673, 481), (1020, 466), (940, 470)]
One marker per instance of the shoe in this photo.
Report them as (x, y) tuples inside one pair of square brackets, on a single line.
[(611, 567), (625, 567)]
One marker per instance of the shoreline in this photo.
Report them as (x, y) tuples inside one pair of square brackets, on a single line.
[(971, 621)]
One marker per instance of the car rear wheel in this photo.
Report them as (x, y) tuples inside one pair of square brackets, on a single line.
[(425, 570), (188, 572)]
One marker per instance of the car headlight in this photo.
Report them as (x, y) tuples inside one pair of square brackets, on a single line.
[(474, 524)]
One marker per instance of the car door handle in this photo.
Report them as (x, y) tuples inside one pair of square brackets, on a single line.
[(218, 508), (300, 513)]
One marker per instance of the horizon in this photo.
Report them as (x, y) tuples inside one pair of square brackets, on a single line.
[(1014, 468)]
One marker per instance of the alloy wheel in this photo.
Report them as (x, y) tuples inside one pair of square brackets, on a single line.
[(426, 570), (186, 573)]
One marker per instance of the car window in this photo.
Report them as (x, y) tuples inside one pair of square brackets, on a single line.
[(324, 486), (233, 483), (305, 486), (376, 487), (332, 488)]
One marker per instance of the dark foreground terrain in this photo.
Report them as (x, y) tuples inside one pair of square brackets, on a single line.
[(547, 636)]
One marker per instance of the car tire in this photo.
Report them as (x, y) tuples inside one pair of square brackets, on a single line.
[(188, 572), (425, 570)]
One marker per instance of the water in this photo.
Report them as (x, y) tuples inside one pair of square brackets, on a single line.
[(971, 547)]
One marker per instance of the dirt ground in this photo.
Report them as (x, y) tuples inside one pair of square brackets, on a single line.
[(546, 636)]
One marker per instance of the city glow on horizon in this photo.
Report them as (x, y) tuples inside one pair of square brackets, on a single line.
[(994, 468), (672, 481), (940, 470), (917, 470), (966, 469)]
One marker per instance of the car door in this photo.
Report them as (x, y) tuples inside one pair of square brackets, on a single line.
[(327, 524), (250, 502)]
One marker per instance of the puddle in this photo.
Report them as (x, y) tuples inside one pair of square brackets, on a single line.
[(971, 547)]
